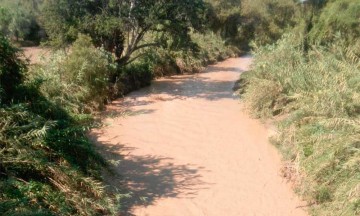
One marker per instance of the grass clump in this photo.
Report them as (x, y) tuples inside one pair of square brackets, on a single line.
[(317, 95)]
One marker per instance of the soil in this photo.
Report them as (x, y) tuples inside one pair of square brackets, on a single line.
[(36, 55)]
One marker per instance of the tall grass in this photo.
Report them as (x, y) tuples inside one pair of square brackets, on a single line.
[(318, 96)]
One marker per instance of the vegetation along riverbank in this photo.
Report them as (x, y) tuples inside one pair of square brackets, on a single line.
[(305, 76)]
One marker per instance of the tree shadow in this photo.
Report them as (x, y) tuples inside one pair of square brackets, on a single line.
[(206, 85), (178, 88), (148, 178), (215, 68)]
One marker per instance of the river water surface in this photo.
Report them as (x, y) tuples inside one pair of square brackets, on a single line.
[(186, 148)]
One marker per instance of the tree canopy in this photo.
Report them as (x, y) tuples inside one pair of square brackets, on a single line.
[(19, 19), (121, 26)]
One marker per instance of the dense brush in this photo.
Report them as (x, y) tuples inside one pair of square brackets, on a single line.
[(318, 94), (47, 164)]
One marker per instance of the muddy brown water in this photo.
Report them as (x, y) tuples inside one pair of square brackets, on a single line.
[(186, 148)]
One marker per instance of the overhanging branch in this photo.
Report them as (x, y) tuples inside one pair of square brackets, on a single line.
[(145, 45), (133, 59)]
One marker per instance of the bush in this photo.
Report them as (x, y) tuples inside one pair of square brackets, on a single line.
[(19, 20), (212, 48), (318, 93), (79, 81), (163, 62), (133, 77)]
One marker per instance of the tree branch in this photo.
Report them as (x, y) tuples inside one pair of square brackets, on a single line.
[(133, 59), (145, 45), (136, 40)]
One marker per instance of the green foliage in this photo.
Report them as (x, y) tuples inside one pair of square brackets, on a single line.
[(224, 18), (19, 19), (121, 26), (208, 48), (268, 19), (263, 21), (11, 71), (323, 195), (340, 18), (133, 77), (213, 48), (318, 93), (78, 81), (315, 88), (5, 20), (47, 164), (218, 13), (64, 20)]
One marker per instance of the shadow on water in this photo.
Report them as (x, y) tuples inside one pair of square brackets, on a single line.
[(183, 87), (148, 178)]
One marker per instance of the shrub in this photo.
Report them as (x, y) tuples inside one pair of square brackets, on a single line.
[(19, 20), (135, 76), (212, 48), (78, 81)]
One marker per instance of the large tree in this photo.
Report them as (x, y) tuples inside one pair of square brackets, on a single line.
[(338, 19), (122, 25), (225, 18)]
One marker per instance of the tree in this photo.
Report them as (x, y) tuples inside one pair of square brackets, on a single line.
[(19, 19), (225, 17), (269, 19), (241, 21), (5, 20), (122, 26), (339, 18)]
